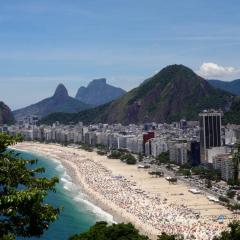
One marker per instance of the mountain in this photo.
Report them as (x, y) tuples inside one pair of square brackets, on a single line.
[(59, 102), (233, 115), (173, 93), (98, 92), (6, 116), (232, 87)]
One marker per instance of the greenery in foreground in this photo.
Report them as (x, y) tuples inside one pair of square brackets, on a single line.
[(22, 193), (103, 231)]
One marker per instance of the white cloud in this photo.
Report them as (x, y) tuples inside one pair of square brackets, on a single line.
[(209, 70)]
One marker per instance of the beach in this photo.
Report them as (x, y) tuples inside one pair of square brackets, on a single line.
[(132, 195)]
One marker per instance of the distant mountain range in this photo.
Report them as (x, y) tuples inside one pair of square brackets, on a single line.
[(232, 86), (6, 116), (175, 92), (59, 102), (98, 92)]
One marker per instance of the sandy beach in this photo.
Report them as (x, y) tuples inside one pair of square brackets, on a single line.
[(132, 195)]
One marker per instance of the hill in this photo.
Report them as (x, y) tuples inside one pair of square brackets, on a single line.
[(6, 116), (59, 102), (173, 93), (233, 115), (98, 92), (232, 87)]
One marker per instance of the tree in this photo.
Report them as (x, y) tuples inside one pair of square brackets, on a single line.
[(103, 231), (208, 183), (22, 192), (165, 236), (115, 154), (163, 158), (231, 194), (130, 159), (232, 234)]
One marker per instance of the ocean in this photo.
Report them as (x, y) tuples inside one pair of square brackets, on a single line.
[(78, 212)]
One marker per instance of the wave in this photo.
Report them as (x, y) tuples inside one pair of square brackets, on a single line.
[(78, 196), (94, 208), (70, 189)]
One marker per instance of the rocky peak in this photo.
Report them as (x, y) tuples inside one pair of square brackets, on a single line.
[(61, 91), (6, 116), (98, 82)]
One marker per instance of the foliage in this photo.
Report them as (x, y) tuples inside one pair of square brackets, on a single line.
[(232, 234), (115, 154), (233, 115), (231, 194), (233, 182), (223, 199), (184, 172), (130, 159), (22, 193), (163, 157), (210, 174), (101, 153), (102, 231), (86, 147), (165, 236)]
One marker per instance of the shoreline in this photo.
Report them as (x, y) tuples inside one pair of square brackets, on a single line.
[(72, 163), (93, 197)]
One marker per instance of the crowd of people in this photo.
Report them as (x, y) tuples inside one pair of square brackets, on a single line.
[(153, 211)]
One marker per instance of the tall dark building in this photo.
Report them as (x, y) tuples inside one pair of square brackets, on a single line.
[(195, 153), (210, 132)]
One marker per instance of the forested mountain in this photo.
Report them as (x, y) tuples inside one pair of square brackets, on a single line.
[(232, 86), (173, 93)]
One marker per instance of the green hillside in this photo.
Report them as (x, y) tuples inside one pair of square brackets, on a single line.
[(173, 93)]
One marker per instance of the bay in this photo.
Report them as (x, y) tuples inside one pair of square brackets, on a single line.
[(78, 212)]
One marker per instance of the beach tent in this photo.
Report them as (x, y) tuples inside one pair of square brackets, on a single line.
[(220, 218)]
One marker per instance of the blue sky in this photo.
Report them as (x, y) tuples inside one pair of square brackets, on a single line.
[(43, 43)]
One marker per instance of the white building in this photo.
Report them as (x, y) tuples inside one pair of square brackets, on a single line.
[(224, 163), (158, 146), (178, 153)]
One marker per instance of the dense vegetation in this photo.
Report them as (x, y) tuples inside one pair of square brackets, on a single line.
[(233, 115), (232, 234), (232, 86), (163, 158), (102, 231), (23, 211), (123, 156)]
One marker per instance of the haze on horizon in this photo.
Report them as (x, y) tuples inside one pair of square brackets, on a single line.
[(46, 42)]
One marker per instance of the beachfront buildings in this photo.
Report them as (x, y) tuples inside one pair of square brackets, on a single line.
[(224, 163), (178, 153), (210, 132), (182, 140)]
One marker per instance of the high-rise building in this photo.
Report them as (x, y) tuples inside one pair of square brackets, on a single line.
[(210, 132)]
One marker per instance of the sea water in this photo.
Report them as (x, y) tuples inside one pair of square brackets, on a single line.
[(78, 212)]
